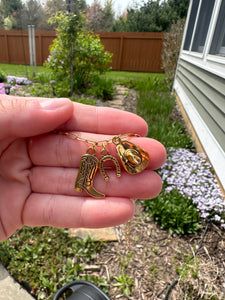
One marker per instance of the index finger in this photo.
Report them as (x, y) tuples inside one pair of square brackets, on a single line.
[(105, 120)]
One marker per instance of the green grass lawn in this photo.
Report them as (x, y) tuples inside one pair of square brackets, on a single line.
[(131, 77), (156, 105), (20, 70), (116, 76)]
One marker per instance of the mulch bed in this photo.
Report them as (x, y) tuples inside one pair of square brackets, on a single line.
[(152, 257)]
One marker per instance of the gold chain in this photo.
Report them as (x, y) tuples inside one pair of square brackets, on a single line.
[(102, 143)]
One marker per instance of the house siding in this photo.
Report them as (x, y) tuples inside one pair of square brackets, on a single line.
[(206, 92)]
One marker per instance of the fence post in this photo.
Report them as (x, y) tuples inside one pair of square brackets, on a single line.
[(32, 45), (121, 52)]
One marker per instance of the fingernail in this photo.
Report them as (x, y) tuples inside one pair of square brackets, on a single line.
[(53, 104)]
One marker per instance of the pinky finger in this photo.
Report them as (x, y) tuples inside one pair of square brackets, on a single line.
[(76, 212)]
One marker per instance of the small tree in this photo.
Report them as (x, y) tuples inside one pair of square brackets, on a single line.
[(53, 6), (32, 13), (76, 56), (94, 16), (100, 17), (108, 16)]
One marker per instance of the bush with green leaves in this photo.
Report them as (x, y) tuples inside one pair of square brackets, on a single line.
[(43, 77), (2, 76), (102, 88), (76, 56), (174, 212)]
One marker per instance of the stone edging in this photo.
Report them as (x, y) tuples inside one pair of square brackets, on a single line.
[(9, 289)]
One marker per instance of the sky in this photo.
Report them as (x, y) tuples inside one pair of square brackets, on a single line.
[(120, 5)]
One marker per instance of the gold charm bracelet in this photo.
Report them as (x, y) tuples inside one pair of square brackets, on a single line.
[(133, 159)]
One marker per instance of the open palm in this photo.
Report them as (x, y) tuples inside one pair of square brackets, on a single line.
[(38, 167)]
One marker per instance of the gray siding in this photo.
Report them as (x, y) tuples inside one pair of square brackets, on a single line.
[(207, 93)]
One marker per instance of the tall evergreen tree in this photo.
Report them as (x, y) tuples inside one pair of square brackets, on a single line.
[(99, 17), (108, 16), (51, 7), (180, 7), (9, 13), (153, 15), (9, 7), (74, 6)]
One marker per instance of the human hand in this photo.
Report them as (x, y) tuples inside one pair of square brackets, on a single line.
[(38, 168)]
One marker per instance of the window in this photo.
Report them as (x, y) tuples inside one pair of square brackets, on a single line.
[(191, 24), (218, 42), (203, 25)]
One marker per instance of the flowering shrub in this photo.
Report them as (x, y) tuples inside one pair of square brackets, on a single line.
[(190, 189), (13, 80), (191, 174)]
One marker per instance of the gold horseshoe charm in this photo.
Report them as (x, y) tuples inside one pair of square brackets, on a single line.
[(103, 171)]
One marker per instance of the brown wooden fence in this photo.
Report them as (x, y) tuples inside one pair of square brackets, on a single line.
[(131, 51)]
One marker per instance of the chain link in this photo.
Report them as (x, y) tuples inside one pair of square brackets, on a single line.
[(102, 143)]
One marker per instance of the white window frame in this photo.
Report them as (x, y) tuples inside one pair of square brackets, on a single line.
[(193, 32), (210, 62), (214, 57)]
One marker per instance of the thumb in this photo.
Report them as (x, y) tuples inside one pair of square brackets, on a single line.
[(24, 117)]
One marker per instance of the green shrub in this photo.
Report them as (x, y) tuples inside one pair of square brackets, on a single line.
[(175, 213), (76, 56), (2, 76), (43, 77), (40, 90), (102, 88)]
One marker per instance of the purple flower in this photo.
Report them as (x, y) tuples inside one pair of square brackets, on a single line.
[(18, 80), (191, 175), (2, 89)]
